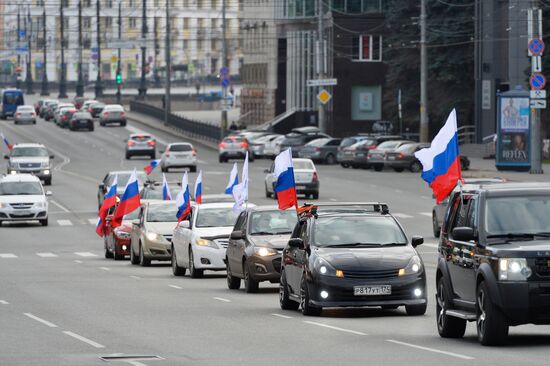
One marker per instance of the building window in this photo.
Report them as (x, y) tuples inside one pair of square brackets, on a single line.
[(133, 23), (87, 3), (64, 3), (108, 23), (108, 3), (357, 6), (367, 48), (86, 22)]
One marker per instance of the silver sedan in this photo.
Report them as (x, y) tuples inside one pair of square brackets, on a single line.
[(25, 114)]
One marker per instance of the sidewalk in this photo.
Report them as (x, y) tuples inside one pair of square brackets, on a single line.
[(482, 168)]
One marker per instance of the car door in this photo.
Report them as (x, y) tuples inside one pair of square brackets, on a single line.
[(187, 236), (293, 260), (238, 246), (135, 233), (270, 179)]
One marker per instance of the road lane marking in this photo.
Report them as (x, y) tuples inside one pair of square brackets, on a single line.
[(426, 197), (84, 339), (429, 214), (64, 223), (4, 302), (40, 320), (46, 255), (65, 209), (7, 255), (85, 254), (402, 215), (77, 261), (176, 287), (398, 191), (333, 199), (430, 245), (92, 221), (457, 355), (335, 328), (221, 299), (281, 316), (135, 277), (105, 268)]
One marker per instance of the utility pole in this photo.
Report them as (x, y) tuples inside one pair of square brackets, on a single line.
[(424, 124), (80, 81), (167, 97), (119, 55), (321, 61), (223, 126), (63, 76), (28, 33), (535, 31), (157, 52), (45, 89), (98, 84), (142, 91), (18, 74)]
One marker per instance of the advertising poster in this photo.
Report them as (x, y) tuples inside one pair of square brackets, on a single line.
[(514, 130)]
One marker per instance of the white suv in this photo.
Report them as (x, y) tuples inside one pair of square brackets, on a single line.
[(22, 198)]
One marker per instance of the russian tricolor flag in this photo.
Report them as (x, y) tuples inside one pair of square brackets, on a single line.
[(8, 145), (233, 179), (441, 161), (183, 201), (285, 187), (198, 188), (152, 165), (166, 195), (108, 201), (129, 201)]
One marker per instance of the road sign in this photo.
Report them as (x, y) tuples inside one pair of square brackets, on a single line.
[(537, 81), (536, 64), (21, 50), (224, 71), (322, 82), (537, 94), (114, 58), (536, 47), (538, 103), (324, 96)]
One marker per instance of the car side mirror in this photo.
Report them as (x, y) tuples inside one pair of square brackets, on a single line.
[(49, 193), (52, 156), (135, 222), (102, 186), (185, 224), (6, 156), (236, 235), (296, 243), (463, 233), (416, 240)]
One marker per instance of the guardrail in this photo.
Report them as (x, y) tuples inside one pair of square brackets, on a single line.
[(466, 134), (194, 129)]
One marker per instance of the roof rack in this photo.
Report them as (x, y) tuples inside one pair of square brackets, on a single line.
[(308, 210)]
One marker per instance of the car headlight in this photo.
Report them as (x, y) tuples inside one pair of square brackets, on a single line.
[(14, 165), (153, 236), (40, 204), (123, 234), (413, 267), (3, 205), (47, 171), (206, 243), (323, 267), (265, 252), (513, 269)]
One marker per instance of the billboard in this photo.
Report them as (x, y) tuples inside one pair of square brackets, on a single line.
[(513, 149)]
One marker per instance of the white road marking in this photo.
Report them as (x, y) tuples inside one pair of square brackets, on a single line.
[(398, 191), (4, 302), (77, 261), (85, 254), (221, 299), (105, 268), (176, 287), (92, 221), (402, 215), (64, 223), (84, 339), (457, 355), (335, 328), (7, 255), (46, 255), (429, 214), (60, 206), (430, 245), (134, 129), (426, 197), (40, 320), (333, 199), (281, 316), (135, 277)]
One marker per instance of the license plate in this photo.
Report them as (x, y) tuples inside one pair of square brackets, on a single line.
[(372, 290), (21, 213), (391, 157), (300, 186)]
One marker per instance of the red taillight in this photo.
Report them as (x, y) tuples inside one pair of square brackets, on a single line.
[(194, 152), (151, 142), (131, 143), (371, 147), (33, 114), (315, 177), (244, 144), (90, 110), (18, 113), (105, 114), (317, 149), (122, 114), (400, 156), (221, 145)]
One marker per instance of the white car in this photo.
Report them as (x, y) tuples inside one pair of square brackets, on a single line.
[(273, 147), (179, 155), (305, 176), (200, 244), (258, 145), (22, 198)]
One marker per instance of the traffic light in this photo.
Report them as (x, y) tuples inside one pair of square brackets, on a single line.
[(118, 79)]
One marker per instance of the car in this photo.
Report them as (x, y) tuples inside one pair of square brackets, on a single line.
[(32, 159), (49, 113), (255, 246), (24, 114), (438, 211), (10, 99), (112, 113), (78, 102), (403, 158), (305, 175), (61, 107), (233, 147), (95, 109), (141, 144), (87, 105), (273, 147), (494, 264), (64, 117), (122, 179), (377, 156), (117, 240), (151, 236), (199, 243), (338, 257), (179, 155), (323, 150), (81, 120), (298, 137), (341, 156), (257, 144), (22, 198), (154, 190), (45, 105), (38, 105), (356, 155)]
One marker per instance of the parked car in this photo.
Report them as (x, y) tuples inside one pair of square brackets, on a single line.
[(345, 158), (356, 155), (403, 158), (60, 108), (273, 147), (305, 175), (323, 150), (22, 198), (49, 112), (117, 240), (65, 116), (299, 137), (257, 145), (24, 114), (10, 99), (140, 144), (45, 106), (87, 105), (377, 157), (112, 113), (81, 120), (255, 246), (122, 179), (233, 147), (179, 155), (95, 109), (30, 158)]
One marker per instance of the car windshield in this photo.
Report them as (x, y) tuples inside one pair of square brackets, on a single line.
[(348, 141), (98, 105), (234, 139), (140, 138), (25, 109), (29, 151), (357, 230), (407, 149), (20, 188), (274, 222), (388, 145), (303, 165), (215, 217), (318, 142), (82, 115), (114, 108), (134, 215), (162, 213), (294, 139), (512, 215), (181, 147)]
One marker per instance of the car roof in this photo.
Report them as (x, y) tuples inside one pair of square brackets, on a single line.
[(125, 172), (217, 205), (140, 135), (505, 187), (28, 144), (160, 202), (19, 178), (263, 208), (180, 143)]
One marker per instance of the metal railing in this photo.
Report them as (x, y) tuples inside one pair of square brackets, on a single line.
[(466, 134)]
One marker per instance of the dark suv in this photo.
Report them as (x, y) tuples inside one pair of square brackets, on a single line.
[(298, 137), (494, 260)]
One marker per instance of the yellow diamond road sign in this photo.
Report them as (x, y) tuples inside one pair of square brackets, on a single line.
[(324, 96)]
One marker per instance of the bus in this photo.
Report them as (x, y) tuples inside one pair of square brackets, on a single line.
[(10, 99)]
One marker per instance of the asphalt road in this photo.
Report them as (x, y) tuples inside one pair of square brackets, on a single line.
[(62, 303)]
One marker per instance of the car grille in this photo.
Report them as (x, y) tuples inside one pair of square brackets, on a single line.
[(29, 165), (277, 264), (372, 274), (21, 206), (542, 266), (222, 242), (26, 216)]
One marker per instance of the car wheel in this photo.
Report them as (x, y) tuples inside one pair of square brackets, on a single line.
[(447, 326), (399, 170), (315, 195), (251, 157), (163, 169), (44, 222), (378, 167), (133, 258), (108, 253), (416, 310), (267, 194), (152, 156), (492, 325), (48, 182), (144, 262), (102, 124), (355, 166), (415, 167), (251, 286), (330, 159), (435, 225), (233, 283), (193, 169), (91, 128), (176, 269), (128, 156), (307, 308), (221, 159), (284, 295), (15, 122), (123, 124), (117, 257), (193, 272), (344, 165)]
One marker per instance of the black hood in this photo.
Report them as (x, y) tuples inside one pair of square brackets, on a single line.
[(522, 248), (380, 258)]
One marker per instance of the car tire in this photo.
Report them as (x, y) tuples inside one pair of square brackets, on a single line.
[(447, 326), (48, 182), (435, 225), (415, 167), (250, 285), (15, 122), (193, 169), (163, 169), (233, 283), (344, 165), (416, 310), (91, 128), (176, 269), (152, 156), (315, 195), (355, 166), (123, 124), (221, 159), (330, 159), (399, 170), (284, 295), (128, 156), (492, 325), (267, 194), (250, 157), (378, 167), (117, 257), (193, 272), (108, 254), (133, 258), (44, 222), (144, 262), (102, 124), (307, 308)]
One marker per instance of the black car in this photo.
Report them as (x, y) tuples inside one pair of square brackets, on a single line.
[(300, 136), (323, 150), (95, 109), (494, 260), (352, 256), (122, 177), (81, 120)]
